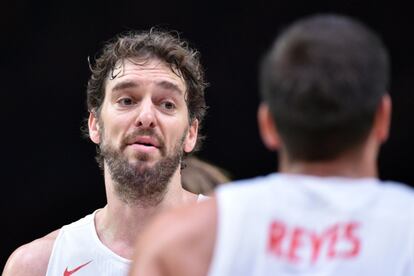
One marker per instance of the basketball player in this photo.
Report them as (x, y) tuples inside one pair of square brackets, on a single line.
[(326, 110), (146, 104)]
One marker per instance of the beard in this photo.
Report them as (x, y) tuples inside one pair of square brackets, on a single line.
[(137, 183)]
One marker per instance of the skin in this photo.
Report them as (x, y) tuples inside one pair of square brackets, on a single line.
[(142, 96), (186, 249)]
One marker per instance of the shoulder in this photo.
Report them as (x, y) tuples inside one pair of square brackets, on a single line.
[(395, 200), (179, 242), (32, 258), (249, 189), (398, 189), (195, 220)]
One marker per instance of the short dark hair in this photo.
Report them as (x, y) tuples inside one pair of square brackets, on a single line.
[(144, 45), (323, 80)]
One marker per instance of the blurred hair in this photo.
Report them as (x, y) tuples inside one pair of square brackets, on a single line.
[(201, 177)]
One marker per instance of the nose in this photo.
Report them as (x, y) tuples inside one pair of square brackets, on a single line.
[(146, 115)]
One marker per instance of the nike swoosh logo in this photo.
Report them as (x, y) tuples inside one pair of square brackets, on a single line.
[(70, 272)]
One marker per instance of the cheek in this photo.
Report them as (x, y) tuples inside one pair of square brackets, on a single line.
[(177, 136), (112, 133)]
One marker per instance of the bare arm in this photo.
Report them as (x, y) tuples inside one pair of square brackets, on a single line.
[(179, 242), (31, 259)]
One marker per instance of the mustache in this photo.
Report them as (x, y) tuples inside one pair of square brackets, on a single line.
[(144, 132)]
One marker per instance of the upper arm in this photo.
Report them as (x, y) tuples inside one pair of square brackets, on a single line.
[(179, 242), (32, 258)]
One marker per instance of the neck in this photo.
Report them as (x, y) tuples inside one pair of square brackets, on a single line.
[(358, 163), (119, 223)]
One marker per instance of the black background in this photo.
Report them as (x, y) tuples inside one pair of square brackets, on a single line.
[(49, 176)]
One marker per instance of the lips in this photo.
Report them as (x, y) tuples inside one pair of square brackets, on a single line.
[(147, 141)]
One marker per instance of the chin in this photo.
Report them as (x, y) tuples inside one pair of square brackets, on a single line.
[(143, 163)]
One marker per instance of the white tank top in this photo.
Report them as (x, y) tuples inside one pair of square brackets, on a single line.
[(77, 250), (302, 225)]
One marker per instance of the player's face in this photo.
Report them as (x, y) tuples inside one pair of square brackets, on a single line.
[(144, 115)]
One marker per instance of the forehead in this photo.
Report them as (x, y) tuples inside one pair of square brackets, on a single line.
[(144, 72)]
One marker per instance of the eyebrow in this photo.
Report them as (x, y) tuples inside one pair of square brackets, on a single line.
[(131, 84), (124, 85), (169, 86)]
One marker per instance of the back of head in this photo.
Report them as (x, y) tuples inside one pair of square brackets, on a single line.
[(323, 80), (201, 177)]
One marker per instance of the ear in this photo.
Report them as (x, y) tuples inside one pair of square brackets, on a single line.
[(191, 137), (383, 119), (94, 130), (267, 128)]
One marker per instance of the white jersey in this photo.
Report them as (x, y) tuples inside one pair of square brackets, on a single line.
[(302, 225), (77, 248)]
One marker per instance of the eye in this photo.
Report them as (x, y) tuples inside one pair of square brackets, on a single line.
[(167, 105), (125, 101)]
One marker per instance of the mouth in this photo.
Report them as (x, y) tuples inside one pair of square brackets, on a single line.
[(145, 144), (146, 141)]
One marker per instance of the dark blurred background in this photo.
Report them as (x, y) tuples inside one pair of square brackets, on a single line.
[(50, 177)]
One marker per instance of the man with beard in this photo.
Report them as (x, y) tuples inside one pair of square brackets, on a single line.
[(146, 104), (326, 110)]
